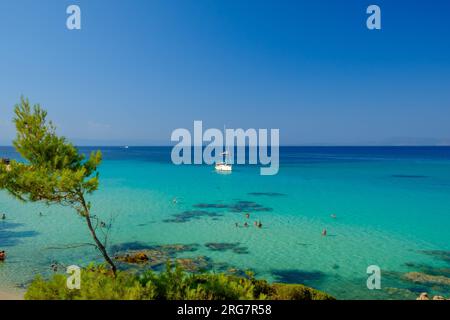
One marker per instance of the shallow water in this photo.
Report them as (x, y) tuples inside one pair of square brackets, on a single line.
[(391, 204)]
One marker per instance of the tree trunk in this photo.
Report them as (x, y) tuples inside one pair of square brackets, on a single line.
[(98, 243)]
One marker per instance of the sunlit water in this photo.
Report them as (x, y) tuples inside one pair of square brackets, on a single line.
[(391, 204)]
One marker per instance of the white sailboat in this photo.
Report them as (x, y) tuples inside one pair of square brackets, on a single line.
[(224, 165)]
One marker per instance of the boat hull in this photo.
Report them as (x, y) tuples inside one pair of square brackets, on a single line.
[(223, 167)]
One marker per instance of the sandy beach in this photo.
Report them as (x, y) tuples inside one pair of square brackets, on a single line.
[(13, 295)]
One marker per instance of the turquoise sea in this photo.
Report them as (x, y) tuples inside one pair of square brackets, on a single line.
[(392, 207)]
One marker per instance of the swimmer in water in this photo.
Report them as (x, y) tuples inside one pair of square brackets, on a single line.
[(174, 200), (3, 216), (246, 224), (247, 215), (324, 232), (333, 216)]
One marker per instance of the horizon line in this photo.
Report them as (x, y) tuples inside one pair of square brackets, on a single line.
[(281, 146)]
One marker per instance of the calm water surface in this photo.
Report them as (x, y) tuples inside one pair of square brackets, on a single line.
[(392, 208)]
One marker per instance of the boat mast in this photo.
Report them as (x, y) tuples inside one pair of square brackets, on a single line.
[(225, 153)]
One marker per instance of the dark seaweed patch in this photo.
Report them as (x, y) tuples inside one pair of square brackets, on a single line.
[(170, 249), (298, 276), (242, 206), (438, 254), (226, 246), (9, 238), (407, 281), (125, 246), (424, 268), (239, 206), (211, 206), (335, 266), (189, 215), (268, 194), (156, 257), (408, 176), (303, 244)]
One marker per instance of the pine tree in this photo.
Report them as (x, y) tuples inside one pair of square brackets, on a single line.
[(53, 171)]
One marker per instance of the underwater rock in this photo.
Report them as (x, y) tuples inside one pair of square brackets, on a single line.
[(140, 246), (400, 293), (419, 277), (227, 268), (424, 268), (239, 206), (189, 215), (194, 264), (297, 276), (269, 194), (129, 246), (412, 282), (154, 256), (138, 257), (242, 206), (225, 246), (172, 249), (423, 296), (438, 254)]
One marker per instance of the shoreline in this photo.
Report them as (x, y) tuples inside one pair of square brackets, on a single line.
[(11, 294)]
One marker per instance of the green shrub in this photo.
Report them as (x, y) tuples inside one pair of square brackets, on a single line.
[(297, 292), (97, 283)]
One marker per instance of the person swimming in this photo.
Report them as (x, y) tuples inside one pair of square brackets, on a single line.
[(246, 224), (3, 216), (174, 200), (247, 215), (333, 216), (259, 224), (2, 255), (324, 232)]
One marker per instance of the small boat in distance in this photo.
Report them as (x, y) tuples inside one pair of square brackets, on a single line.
[(126, 147), (224, 166)]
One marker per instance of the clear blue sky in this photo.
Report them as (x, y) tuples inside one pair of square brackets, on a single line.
[(139, 69)]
